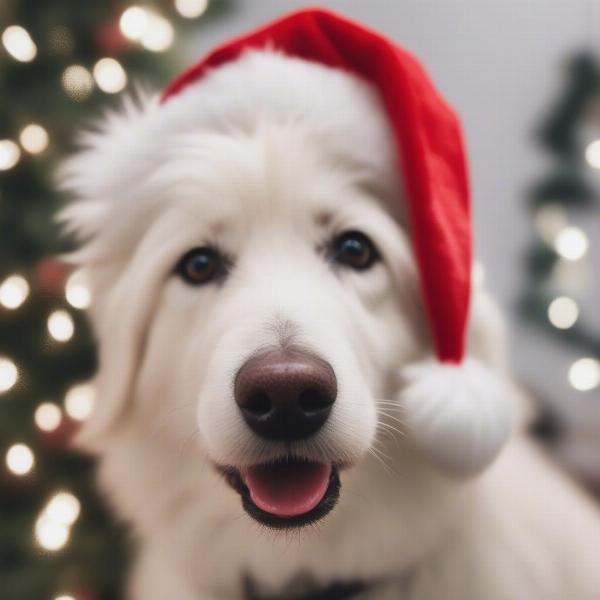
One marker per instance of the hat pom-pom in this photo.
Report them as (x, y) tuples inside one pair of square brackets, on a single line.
[(458, 415)]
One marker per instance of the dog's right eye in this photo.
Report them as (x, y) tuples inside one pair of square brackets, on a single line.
[(355, 250), (200, 266)]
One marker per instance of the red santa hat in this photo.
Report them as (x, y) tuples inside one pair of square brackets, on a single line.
[(455, 409)]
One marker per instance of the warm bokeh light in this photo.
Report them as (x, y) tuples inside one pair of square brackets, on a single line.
[(77, 82), (133, 22), (20, 459), (48, 416), (152, 30), (51, 535), (77, 292), (53, 527), (63, 508), (13, 291), (571, 243), (191, 9), (65, 597), (110, 75), (18, 43), (9, 154), (34, 138), (158, 34), (584, 374), (61, 326), (79, 401), (563, 312), (592, 154), (9, 374)]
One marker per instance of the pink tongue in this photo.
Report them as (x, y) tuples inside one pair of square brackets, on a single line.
[(287, 490)]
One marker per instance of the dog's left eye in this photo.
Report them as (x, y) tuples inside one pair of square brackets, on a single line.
[(354, 249), (200, 266)]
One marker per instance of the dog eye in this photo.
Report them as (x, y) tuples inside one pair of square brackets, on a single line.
[(354, 249), (200, 266)]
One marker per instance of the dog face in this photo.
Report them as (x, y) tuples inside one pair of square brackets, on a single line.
[(253, 280)]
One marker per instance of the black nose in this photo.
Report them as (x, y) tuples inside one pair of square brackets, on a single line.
[(285, 394)]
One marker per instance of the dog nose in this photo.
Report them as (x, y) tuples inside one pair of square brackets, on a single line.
[(285, 394)]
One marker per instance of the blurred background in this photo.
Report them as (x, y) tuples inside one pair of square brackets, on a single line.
[(524, 75)]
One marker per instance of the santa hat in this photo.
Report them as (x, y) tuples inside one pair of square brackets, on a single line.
[(455, 408)]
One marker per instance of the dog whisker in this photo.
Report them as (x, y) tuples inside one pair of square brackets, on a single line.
[(389, 403), (382, 458), (391, 431), (392, 417), (390, 427), (388, 436), (385, 466)]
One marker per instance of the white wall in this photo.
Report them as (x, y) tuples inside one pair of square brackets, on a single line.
[(499, 63)]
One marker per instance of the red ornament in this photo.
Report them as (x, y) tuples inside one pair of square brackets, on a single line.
[(62, 436), (51, 275), (110, 40)]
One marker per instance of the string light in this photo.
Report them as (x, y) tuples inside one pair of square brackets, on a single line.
[(77, 82), (18, 43), (63, 508), (77, 293), (191, 9), (110, 75), (34, 138), (51, 535), (13, 291), (79, 401), (158, 34), (61, 326), (152, 30), (592, 154), (20, 459), (53, 526), (9, 374), (571, 243), (133, 22), (563, 312), (9, 154), (48, 416), (584, 374)]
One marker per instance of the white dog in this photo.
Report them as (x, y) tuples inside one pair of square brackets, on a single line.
[(255, 298)]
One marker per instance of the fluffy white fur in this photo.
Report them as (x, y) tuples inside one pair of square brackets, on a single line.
[(268, 158)]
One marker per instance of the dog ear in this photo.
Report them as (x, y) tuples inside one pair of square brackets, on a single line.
[(121, 321), (124, 304), (95, 177)]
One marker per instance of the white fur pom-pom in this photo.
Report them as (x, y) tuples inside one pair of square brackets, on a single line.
[(459, 416)]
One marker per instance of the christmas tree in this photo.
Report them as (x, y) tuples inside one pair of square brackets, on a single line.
[(60, 62), (559, 270)]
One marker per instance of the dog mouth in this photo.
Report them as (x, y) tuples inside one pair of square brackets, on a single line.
[(288, 493)]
